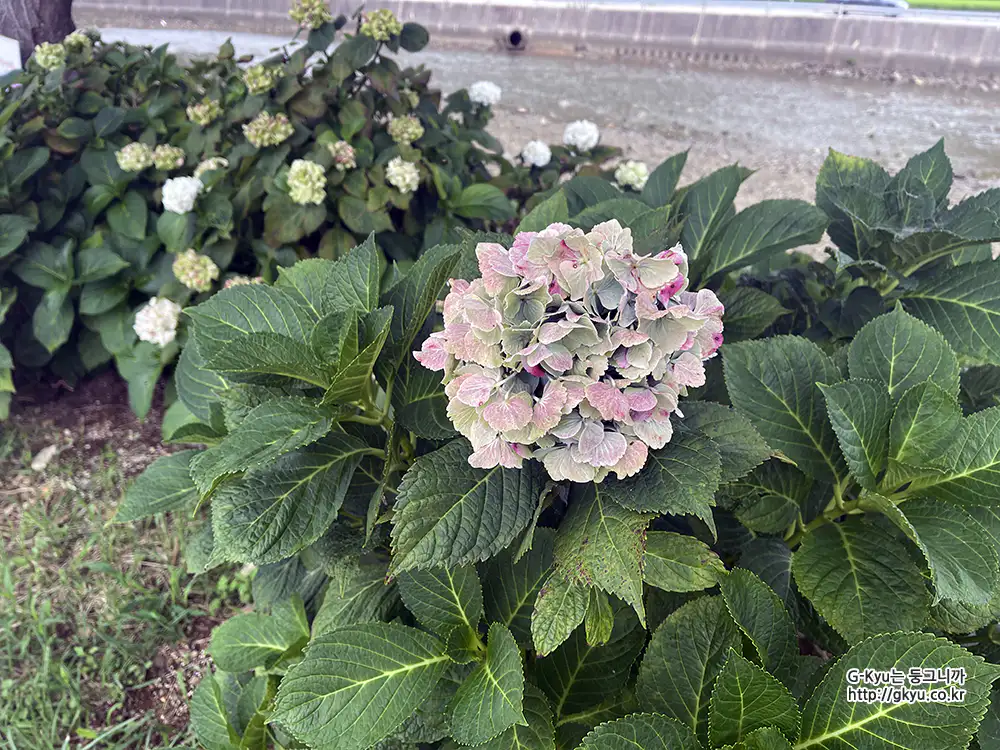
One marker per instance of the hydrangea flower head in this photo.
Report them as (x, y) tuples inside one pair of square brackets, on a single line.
[(402, 175), (50, 56), (572, 350), (260, 79), (134, 157), (633, 174), (582, 135), (343, 155), (204, 112), (306, 182), (380, 25), (196, 272), (485, 93), (409, 97), (240, 280), (78, 41), (311, 13), (180, 194), (268, 130), (167, 158), (405, 129), (210, 165), (156, 322), (536, 154)]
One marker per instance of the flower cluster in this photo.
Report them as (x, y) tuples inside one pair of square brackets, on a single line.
[(632, 174), (402, 175), (409, 97), (50, 56), (78, 42), (134, 157), (306, 182), (157, 321), (166, 158), (240, 280), (260, 79), (268, 130), (180, 194), (582, 135), (572, 350), (196, 272), (380, 25), (485, 93), (210, 165), (405, 129), (536, 154), (343, 155), (311, 13), (204, 112)]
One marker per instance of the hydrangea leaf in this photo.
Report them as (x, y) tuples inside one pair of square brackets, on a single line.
[(900, 352), (746, 698), (741, 448), (443, 599), (356, 595), (677, 562), (448, 513), (648, 731), (601, 544), (551, 210), (830, 720), (355, 279), (268, 359), (922, 433), (989, 729), (490, 700), (860, 411), (851, 191), (762, 617), (624, 210), (537, 734), (269, 431), (197, 387), (276, 510), (599, 620), (578, 676), (683, 659), (973, 479), (771, 560), (774, 382), (354, 374), (765, 738), (584, 191), (706, 204), (861, 579), (749, 312), (252, 640), (680, 478), (510, 588), (357, 684), (959, 618), (165, 486), (662, 181), (209, 719), (559, 608), (420, 403), (964, 304), (771, 497)]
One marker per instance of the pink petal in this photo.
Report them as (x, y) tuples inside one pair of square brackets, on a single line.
[(608, 400), (496, 453), (476, 390), (432, 354), (509, 414), (640, 399), (689, 371), (654, 432), (600, 447), (632, 461), (548, 411)]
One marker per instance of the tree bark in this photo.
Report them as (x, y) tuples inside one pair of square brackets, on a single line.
[(31, 22)]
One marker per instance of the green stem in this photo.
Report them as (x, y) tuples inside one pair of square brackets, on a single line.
[(834, 510)]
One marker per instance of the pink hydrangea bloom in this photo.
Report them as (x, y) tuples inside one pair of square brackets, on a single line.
[(572, 350)]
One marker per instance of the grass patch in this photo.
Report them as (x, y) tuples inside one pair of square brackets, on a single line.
[(97, 620)]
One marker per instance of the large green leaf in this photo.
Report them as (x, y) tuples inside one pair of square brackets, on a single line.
[(577, 675), (52, 320), (165, 486), (420, 403), (747, 698), (128, 217), (537, 734), (762, 230), (662, 182), (680, 478), (861, 579), (354, 375), (601, 544), (443, 599), (278, 509), (705, 205), (551, 210), (268, 431), (645, 731), (860, 411), (511, 585), (254, 639), (774, 383), (354, 280), (851, 191), (490, 699), (762, 617), (269, 358), (208, 717), (831, 720), (13, 232), (741, 448), (974, 477), (900, 352), (683, 659), (197, 387), (676, 562), (771, 497), (45, 266), (964, 305), (749, 312), (355, 595), (584, 191), (448, 513), (483, 201), (357, 684), (559, 609), (922, 434), (96, 263)]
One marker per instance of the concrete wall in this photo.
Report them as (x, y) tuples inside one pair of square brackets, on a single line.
[(770, 32)]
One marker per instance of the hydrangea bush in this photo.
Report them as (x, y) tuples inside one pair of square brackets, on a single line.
[(824, 503)]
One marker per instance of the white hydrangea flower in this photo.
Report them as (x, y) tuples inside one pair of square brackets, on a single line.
[(134, 157), (582, 135), (167, 158), (402, 175), (50, 56), (78, 41), (195, 271), (180, 194), (485, 93), (157, 321), (632, 174), (306, 182), (536, 154), (405, 129)]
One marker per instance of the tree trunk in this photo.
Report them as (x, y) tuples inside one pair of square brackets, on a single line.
[(31, 22)]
